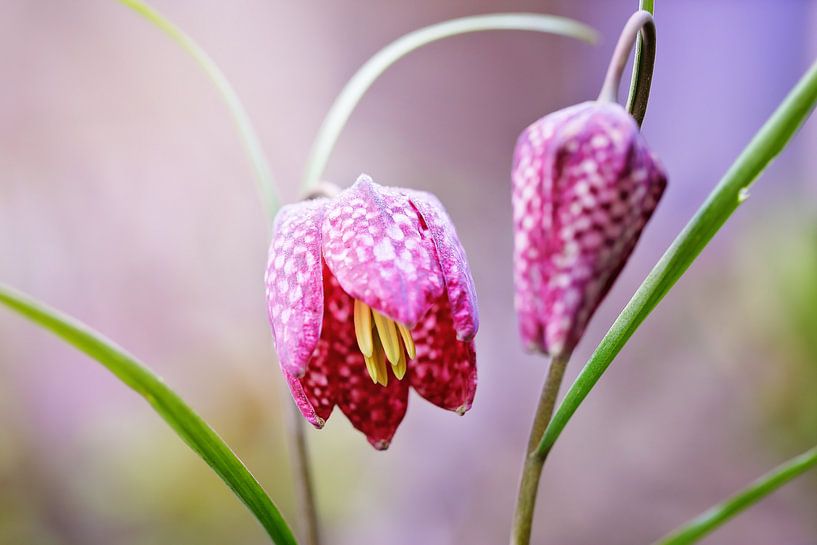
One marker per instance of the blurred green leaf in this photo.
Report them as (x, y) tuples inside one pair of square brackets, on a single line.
[(252, 145), (354, 90), (730, 193), (188, 425), (708, 521)]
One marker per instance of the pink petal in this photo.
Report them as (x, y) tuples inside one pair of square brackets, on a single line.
[(294, 283), (454, 265), (374, 244), (585, 185), (445, 369)]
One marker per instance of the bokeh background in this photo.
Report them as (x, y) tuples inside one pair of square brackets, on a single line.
[(126, 200)]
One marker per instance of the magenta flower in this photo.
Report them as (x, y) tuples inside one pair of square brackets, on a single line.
[(584, 186), (370, 292)]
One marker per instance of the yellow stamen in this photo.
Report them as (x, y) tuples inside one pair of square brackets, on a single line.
[(363, 328), (382, 372), (399, 369), (371, 367), (408, 342), (379, 340), (372, 362), (388, 336)]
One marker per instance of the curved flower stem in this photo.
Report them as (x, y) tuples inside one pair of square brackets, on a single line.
[(249, 138), (269, 199), (354, 90), (306, 489), (640, 23), (532, 468), (708, 521), (636, 100)]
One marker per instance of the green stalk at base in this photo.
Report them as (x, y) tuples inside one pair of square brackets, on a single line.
[(532, 468)]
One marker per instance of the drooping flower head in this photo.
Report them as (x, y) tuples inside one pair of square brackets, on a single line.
[(368, 293), (584, 185)]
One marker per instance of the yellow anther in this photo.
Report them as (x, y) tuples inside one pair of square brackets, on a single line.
[(408, 342), (380, 362), (379, 340), (363, 328), (399, 369), (376, 363), (388, 336), (371, 367)]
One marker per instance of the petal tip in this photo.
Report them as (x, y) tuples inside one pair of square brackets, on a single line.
[(380, 444)]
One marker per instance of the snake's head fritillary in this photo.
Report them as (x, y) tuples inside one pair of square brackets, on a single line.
[(368, 293), (584, 186)]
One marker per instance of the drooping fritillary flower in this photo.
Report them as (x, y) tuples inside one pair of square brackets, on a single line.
[(368, 293), (584, 185)]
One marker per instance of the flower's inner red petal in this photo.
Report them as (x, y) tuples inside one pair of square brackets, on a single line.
[(373, 409), (445, 369), (316, 385)]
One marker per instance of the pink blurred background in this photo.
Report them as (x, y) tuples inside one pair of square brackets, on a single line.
[(126, 200)]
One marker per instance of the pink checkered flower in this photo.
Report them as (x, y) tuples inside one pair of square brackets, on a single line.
[(368, 293), (584, 186)]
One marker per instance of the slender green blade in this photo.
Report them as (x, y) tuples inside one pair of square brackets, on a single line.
[(260, 165), (718, 207), (708, 521), (187, 424), (354, 90)]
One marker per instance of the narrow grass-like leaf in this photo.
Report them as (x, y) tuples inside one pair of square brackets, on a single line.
[(354, 90), (708, 521), (187, 424), (252, 145), (718, 207)]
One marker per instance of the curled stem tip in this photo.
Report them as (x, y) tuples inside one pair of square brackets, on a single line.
[(641, 24), (363, 79)]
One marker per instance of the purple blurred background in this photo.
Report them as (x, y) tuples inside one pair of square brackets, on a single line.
[(126, 200)]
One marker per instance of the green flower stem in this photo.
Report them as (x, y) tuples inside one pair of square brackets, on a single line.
[(641, 26), (252, 145), (305, 480), (708, 521), (642, 77), (354, 90), (532, 468), (730, 193), (185, 422)]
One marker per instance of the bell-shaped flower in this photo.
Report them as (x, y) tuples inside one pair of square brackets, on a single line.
[(584, 185), (368, 293)]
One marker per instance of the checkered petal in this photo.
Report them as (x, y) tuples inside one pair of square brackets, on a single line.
[(584, 186)]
